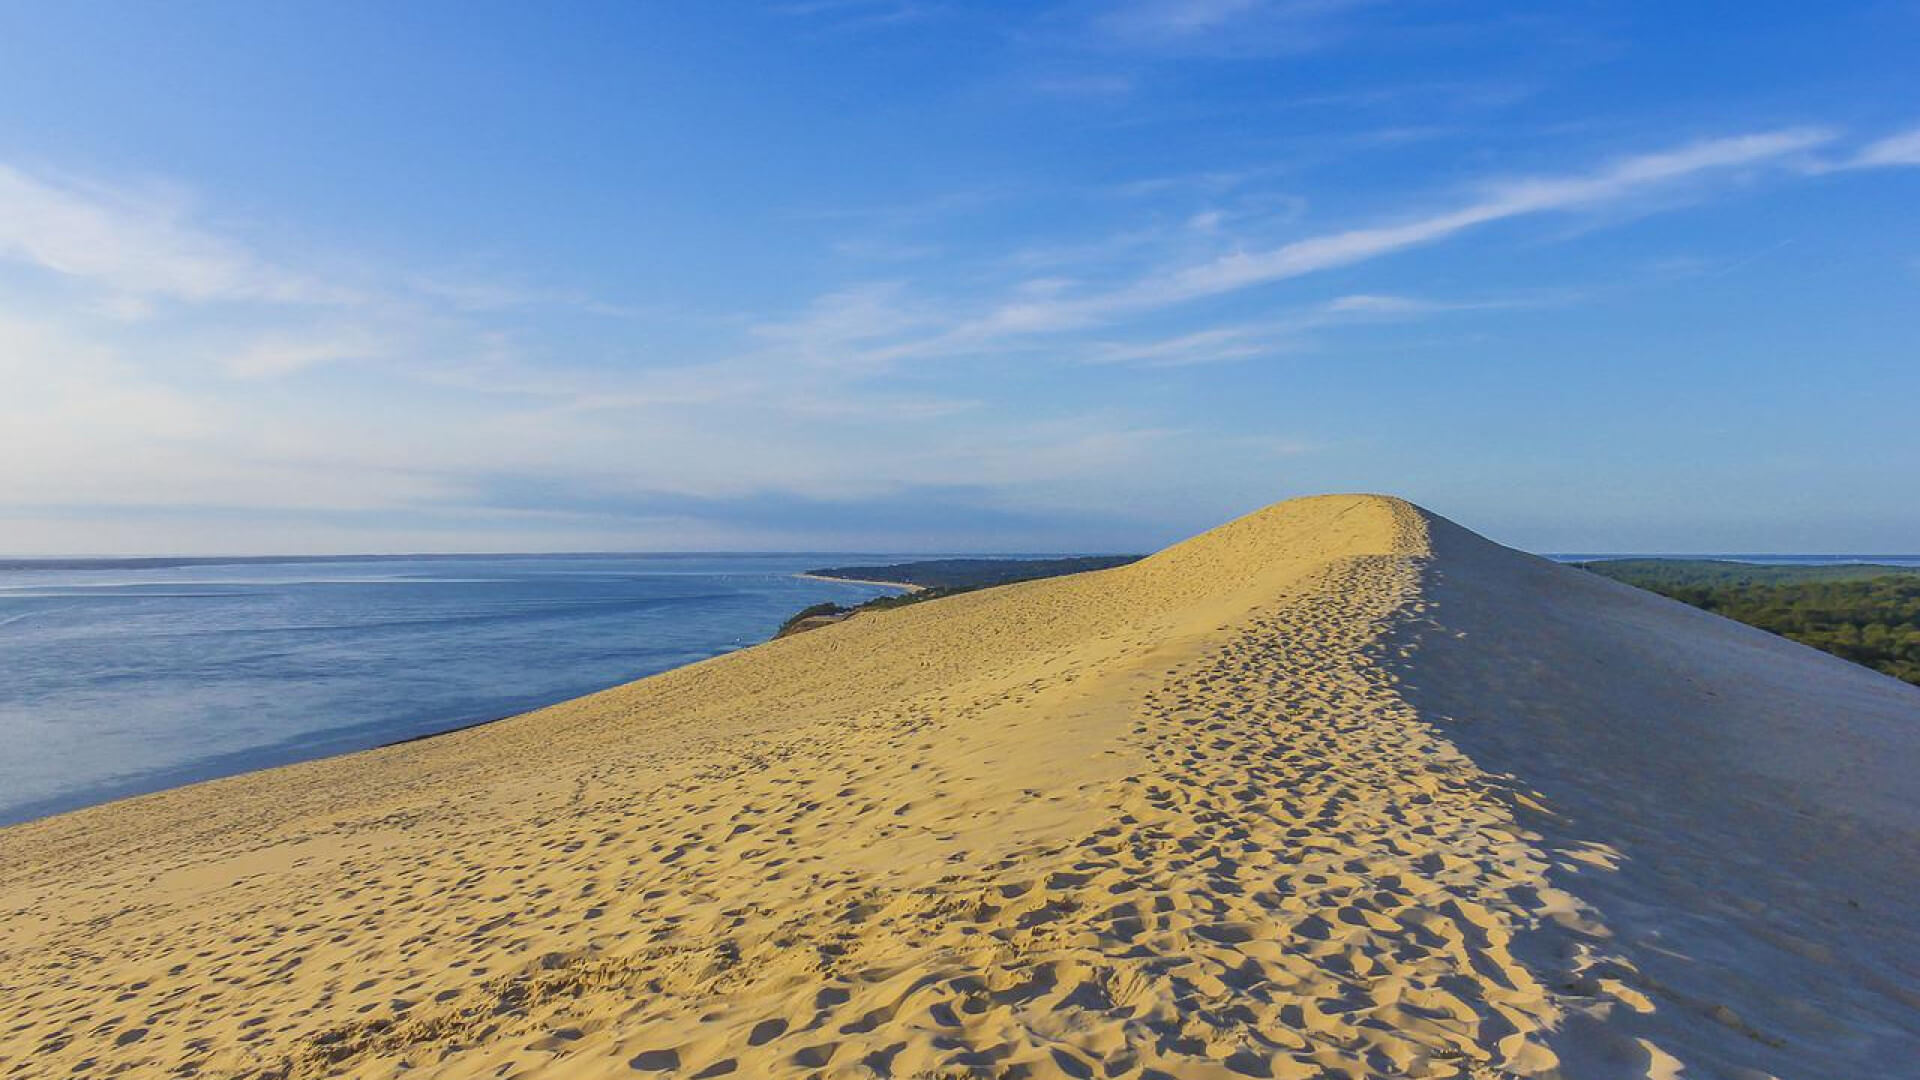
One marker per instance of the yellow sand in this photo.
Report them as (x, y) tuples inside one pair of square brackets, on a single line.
[(1337, 789)]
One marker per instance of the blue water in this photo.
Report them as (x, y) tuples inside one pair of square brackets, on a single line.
[(119, 679)]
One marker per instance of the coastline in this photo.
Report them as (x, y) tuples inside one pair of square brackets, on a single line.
[(200, 772), (864, 581), (648, 612)]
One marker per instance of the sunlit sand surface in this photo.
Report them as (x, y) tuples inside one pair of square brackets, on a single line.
[(1335, 790)]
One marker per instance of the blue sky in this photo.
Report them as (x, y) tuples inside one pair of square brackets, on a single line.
[(894, 275)]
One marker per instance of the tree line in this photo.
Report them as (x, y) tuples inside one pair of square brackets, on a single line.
[(1869, 615)]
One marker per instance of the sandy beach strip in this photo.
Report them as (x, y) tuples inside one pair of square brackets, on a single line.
[(901, 585)]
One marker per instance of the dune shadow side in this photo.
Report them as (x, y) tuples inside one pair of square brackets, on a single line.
[(1729, 814)]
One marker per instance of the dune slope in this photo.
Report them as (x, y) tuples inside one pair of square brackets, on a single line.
[(1337, 789)]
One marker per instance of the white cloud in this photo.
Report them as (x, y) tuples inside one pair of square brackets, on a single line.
[(869, 328), (854, 314), (1625, 178), (1229, 26), (1291, 333), (138, 245), (1374, 304), (284, 354), (1213, 346), (1242, 269), (1894, 150), (858, 330), (135, 246)]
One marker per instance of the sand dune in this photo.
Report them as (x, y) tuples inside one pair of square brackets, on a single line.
[(1335, 790)]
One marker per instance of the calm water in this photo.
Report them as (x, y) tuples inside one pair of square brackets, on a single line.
[(116, 680)]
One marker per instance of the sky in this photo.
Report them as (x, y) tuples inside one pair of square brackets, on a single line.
[(894, 275)]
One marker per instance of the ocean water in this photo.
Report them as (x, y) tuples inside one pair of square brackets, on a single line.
[(120, 677)]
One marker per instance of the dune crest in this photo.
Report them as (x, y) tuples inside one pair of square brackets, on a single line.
[(1336, 789)]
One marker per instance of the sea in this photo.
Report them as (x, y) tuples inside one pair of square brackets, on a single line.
[(124, 676)]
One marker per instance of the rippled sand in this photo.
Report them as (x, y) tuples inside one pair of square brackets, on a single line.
[(1336, 790)]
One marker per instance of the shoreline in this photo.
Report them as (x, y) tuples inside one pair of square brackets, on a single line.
[(864, 581), (196, 773)]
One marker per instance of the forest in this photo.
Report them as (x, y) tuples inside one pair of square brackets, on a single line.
[(1866, 613)]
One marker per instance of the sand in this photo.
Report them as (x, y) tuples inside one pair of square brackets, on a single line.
[(1335, 790)]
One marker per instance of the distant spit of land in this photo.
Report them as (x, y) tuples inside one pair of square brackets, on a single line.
[(933, 579), (973, 573)]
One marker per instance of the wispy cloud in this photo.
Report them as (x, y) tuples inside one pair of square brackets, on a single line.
[(1291, 333), (869, 330), (137, 244), (140, 246), (1504, 200), (1212, 346), (849, 329), (1214, 182), (1230, 26), (1894, 150), (1511, 199), (283, 353)]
